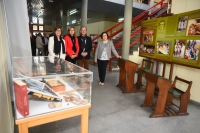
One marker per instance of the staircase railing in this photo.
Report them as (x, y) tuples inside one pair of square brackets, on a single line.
[(133, 35), (135, 23), (111, 29)]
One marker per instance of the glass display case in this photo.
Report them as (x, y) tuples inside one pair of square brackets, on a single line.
[(44, 85)]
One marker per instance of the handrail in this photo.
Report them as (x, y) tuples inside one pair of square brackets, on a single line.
[(134, 19), (108, 30), (146, 11), (119, 53), (133, 34), (135, 22)]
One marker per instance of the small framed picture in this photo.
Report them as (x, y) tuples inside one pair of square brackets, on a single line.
[(193, 28), (179, 48), (182, 24), (163, 47), (146, 49), (192, 49), (147, 36)]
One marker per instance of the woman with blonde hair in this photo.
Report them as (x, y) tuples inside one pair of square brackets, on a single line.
[(72, 46)]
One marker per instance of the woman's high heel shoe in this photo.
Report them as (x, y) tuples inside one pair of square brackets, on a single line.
[(102, 84)]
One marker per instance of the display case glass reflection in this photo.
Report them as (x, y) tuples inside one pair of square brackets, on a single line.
[(34, 77)]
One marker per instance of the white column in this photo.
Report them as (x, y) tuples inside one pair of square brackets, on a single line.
[(14, 41), (17, 21), (151, 3), (127, 28), (84, 7)]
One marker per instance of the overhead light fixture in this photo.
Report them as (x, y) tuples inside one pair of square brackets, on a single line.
[(74, 21), (50, 0), (120, 19), (72, 12)]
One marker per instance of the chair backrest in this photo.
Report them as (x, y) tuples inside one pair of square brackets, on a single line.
[(182, 80), (144, 61)]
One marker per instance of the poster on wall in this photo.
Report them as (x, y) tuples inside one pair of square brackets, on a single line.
[(146, 49), (147, 36), (179, 48), (161, 26), (192, 49), (193, 28), (163, 47), (182, 24)]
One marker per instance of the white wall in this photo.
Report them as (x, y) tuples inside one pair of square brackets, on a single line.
[(180, 6), (6, 118), (96, 27)]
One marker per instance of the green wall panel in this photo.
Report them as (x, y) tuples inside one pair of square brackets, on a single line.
[(174, 38)]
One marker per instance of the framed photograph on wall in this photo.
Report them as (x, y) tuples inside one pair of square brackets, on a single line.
[(193, 28), (182, 24), (192, 49), (179, 48), (163, 47), (146, 49), (147, 36)]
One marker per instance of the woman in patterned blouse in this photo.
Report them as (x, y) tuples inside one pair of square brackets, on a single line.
[(103, 55)]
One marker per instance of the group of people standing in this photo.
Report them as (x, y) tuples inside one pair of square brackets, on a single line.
[(77, 49), (71, 48)]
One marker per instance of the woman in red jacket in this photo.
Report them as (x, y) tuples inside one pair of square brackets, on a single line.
[(71, 45)]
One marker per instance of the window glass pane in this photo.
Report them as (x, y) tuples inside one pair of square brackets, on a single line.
[(41, 21), (35, 27), (41, 27)]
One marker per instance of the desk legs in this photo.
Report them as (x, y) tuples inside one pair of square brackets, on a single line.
[(150, 87), (23, 128), (163, 85), (122, 78), (84, 121), (139, 80)]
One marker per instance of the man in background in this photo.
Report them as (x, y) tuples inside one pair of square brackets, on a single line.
[(39, 44), (46, 41)]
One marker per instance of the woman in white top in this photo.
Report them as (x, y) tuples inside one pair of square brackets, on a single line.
[(56, 44), (103, 55)]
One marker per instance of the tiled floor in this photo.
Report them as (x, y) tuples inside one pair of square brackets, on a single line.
[(114, 112)]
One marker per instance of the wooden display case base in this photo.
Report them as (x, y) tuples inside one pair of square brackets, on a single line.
[(83, 111)]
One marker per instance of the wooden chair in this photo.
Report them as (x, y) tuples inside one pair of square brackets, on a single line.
[(141, 73), (183, 96)]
